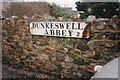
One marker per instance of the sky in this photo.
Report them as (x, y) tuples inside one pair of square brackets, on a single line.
[(61, 3)]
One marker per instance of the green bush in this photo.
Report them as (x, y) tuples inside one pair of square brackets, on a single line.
[(57, 11)]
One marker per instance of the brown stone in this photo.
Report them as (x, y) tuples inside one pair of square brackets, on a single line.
[(49, 50), (109, 43), (37, 64)]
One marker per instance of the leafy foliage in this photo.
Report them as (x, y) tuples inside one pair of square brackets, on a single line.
[(57, 11), (101, 9)]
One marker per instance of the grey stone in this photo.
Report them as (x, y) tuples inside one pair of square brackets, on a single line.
[(50, 66), (68, 59), (90, 18), (115, 19), (101, 25), (43, 57)]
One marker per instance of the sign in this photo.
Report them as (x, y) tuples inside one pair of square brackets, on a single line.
[(60, 29)]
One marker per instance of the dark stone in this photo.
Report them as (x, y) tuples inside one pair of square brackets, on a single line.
[(83, 47)]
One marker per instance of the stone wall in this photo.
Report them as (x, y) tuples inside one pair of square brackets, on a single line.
[(64, 57), (105, 38)]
